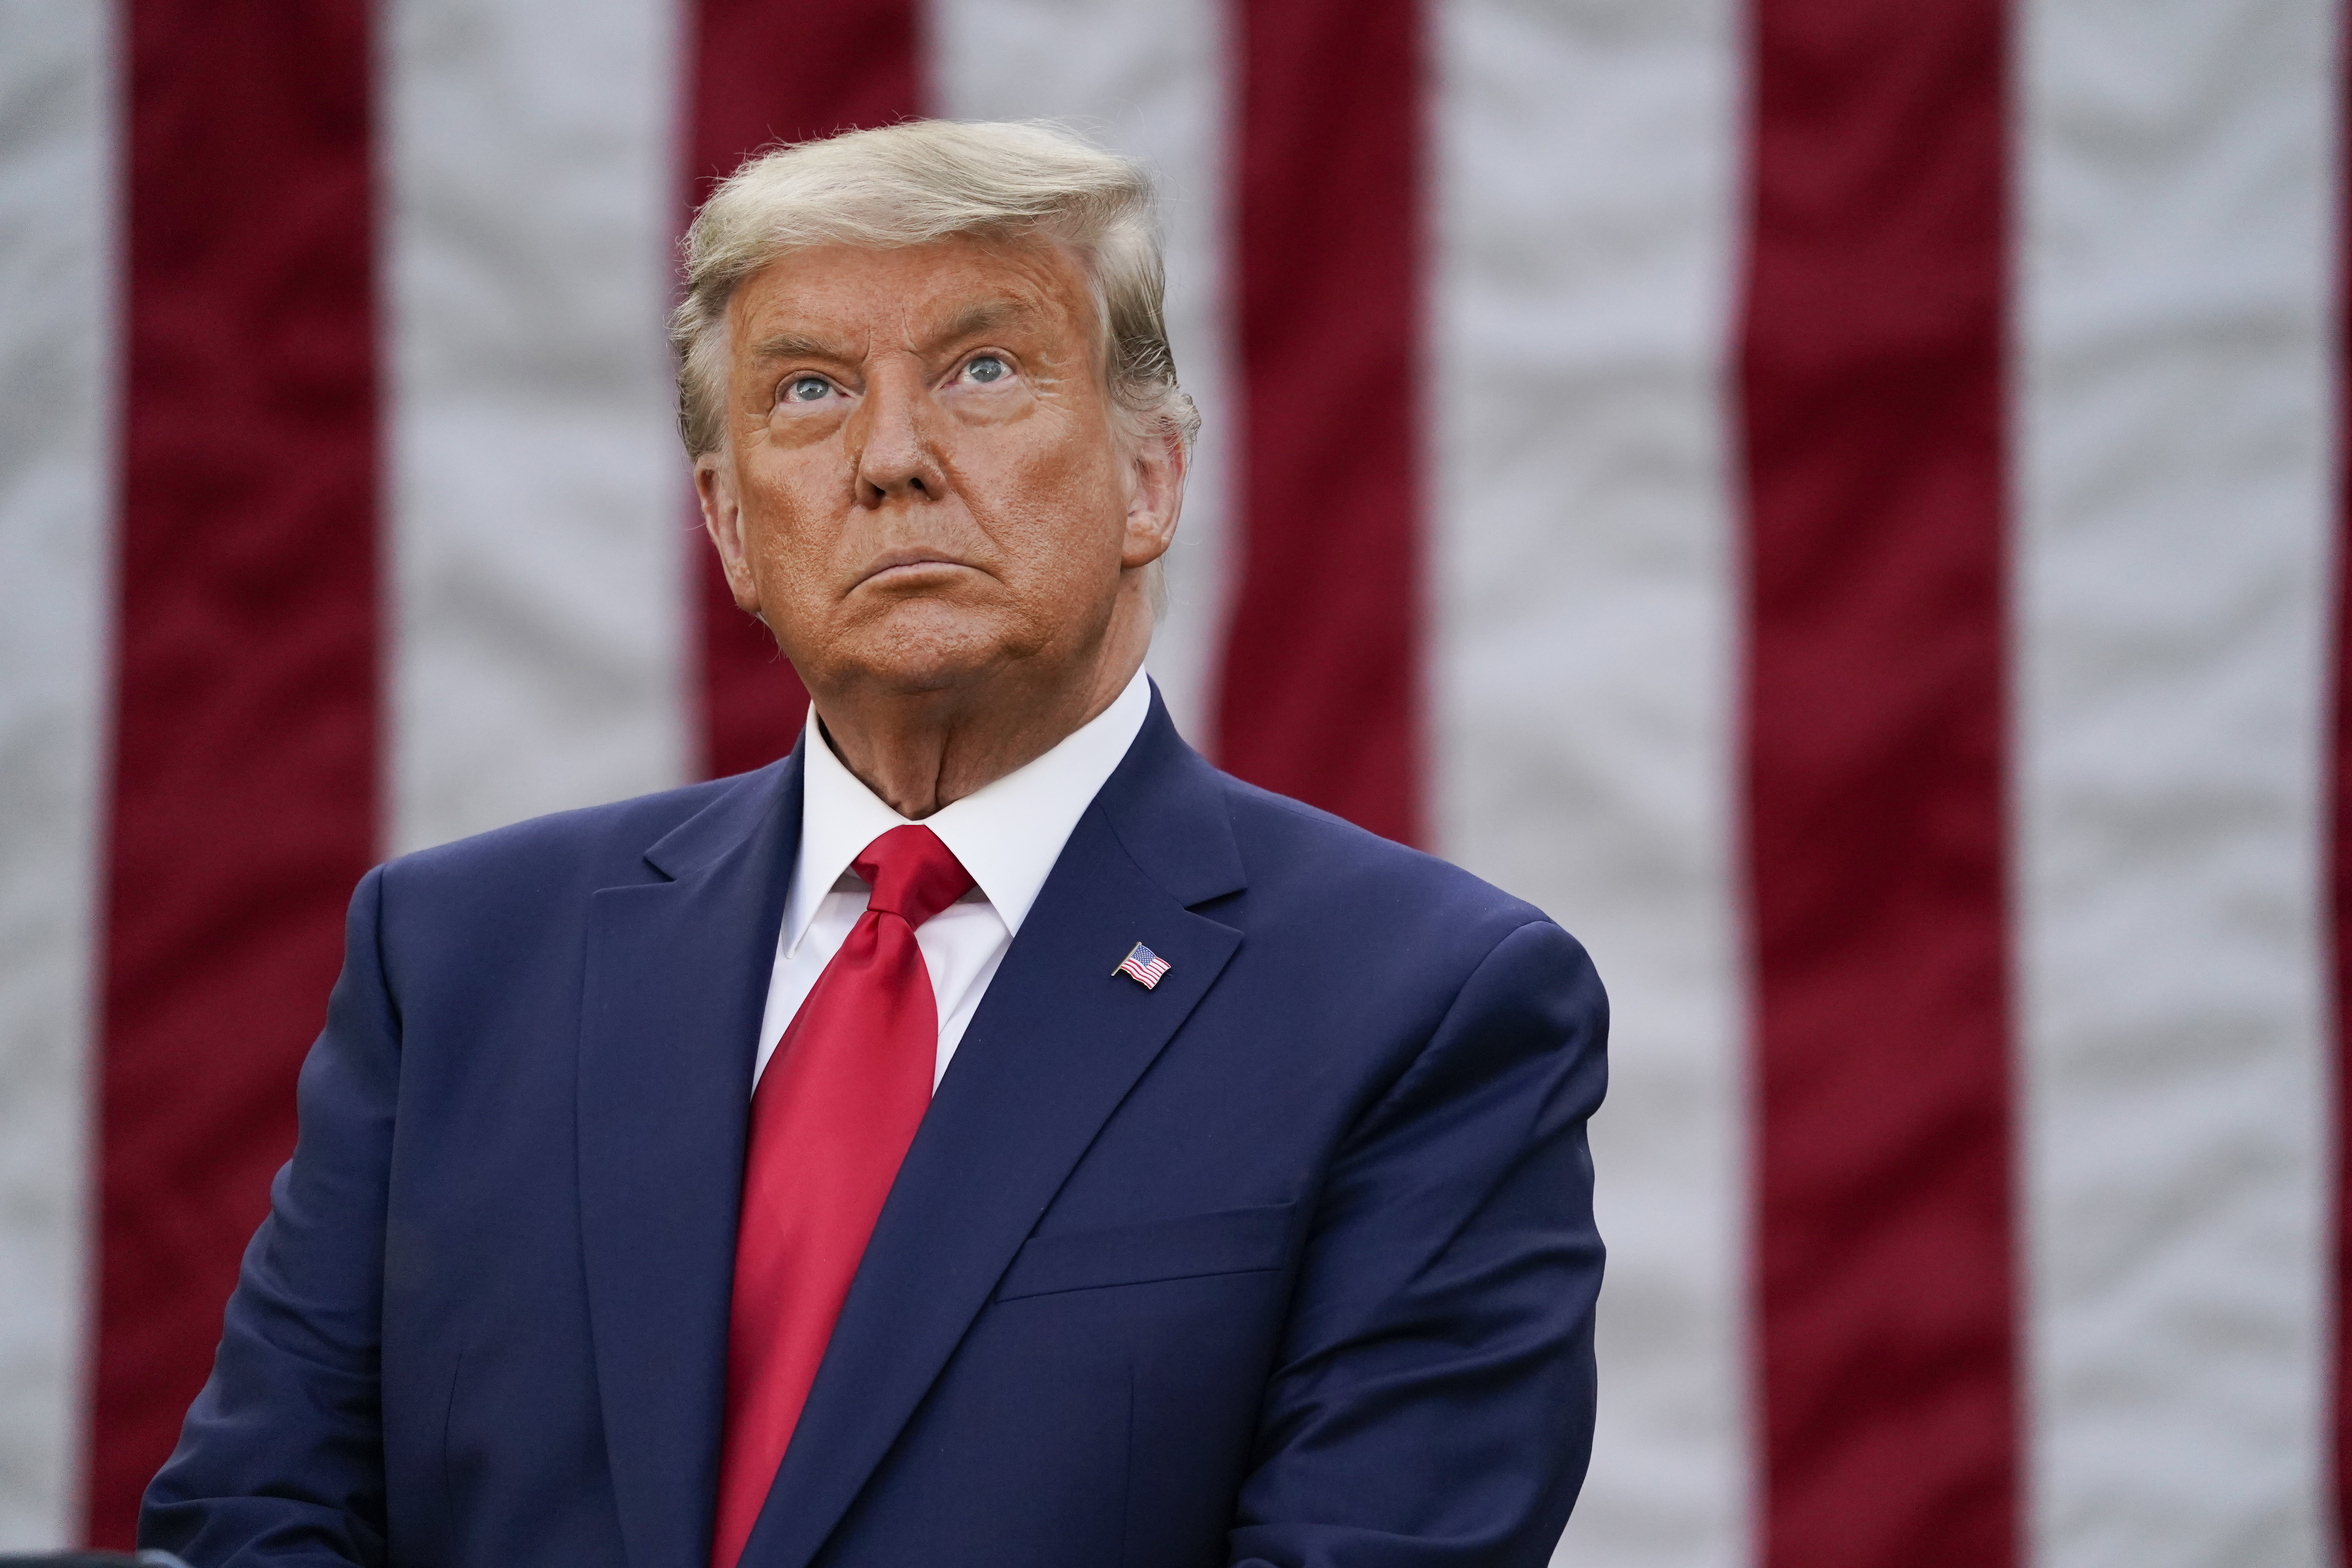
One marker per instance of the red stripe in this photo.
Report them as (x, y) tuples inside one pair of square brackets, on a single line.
[(765, 72), (1870, 381), (1321, 696), (245, 767)]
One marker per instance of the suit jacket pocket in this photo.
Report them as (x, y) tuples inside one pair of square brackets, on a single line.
[(1230, 1241)]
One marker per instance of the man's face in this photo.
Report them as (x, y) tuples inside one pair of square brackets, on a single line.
[(921, 481)]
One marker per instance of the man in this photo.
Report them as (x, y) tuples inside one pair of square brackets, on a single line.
[(989, 1135)]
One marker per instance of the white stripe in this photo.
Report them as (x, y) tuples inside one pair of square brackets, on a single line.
[(56, 495), (1147, 80), (2173, 568), (539, 504), (1583, 662)]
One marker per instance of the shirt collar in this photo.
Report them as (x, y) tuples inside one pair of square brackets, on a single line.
[(1008, 834)]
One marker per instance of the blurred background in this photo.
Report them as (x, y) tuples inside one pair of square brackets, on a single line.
[(1836, 502)]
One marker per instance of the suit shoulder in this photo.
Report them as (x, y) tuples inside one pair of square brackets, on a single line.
[(1300, 852), (593, 845)]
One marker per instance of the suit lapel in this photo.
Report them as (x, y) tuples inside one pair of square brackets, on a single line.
[(1056, 1044), (677, 977)]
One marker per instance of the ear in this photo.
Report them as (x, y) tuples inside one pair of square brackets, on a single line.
[(722, 518), (1155, 497)]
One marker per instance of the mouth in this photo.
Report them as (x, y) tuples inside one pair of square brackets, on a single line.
[(915, 562)]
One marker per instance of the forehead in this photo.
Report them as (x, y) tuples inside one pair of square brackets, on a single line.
[(859, 299)]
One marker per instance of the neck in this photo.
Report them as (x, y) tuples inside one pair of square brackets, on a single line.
[(922, 750)]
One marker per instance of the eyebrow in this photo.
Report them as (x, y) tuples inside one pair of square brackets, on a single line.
[(794, 345), (974, 320), (970, 321)]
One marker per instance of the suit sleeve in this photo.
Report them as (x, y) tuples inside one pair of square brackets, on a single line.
[(1432, 1400), (280, 1460)]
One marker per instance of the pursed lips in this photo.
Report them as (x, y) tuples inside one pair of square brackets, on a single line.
[(899, 561)]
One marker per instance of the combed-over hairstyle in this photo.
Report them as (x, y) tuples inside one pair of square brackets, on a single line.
[(926, 180)]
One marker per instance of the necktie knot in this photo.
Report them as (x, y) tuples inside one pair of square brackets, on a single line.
[(913, 875)]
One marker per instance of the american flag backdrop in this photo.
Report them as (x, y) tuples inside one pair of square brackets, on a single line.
[(1837, 501)]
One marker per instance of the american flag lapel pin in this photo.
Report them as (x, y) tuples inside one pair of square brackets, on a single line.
[(1142, 965)]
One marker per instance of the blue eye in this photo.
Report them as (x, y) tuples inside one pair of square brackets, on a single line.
[(987, 368), (807, 388)]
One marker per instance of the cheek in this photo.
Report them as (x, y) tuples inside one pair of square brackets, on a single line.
[(789, 512), (1066, 503)]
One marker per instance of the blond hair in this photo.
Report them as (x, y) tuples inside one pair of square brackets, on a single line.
[(926, 180)]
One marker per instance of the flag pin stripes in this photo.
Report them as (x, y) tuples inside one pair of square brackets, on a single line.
[(1143, 966)]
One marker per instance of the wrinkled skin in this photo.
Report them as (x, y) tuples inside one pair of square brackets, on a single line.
[(925, 493)]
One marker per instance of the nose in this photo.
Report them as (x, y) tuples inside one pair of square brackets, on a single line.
[(893, 439)]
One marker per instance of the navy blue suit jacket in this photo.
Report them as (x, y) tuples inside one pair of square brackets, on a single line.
[(1289, 1261)]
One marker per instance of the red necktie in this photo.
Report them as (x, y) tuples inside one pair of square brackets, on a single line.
[(830, 1120)]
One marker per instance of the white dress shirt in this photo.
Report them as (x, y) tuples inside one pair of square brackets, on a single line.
[(1008, 835)]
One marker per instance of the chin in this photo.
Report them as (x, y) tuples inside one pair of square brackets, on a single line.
[(917, 659), (916, 677)]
